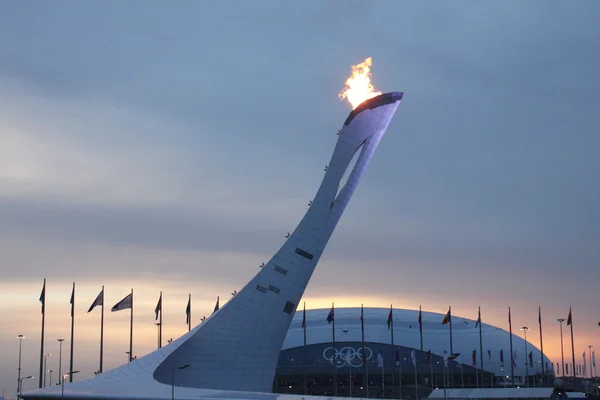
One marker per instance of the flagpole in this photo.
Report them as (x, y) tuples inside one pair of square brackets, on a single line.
[(572, 342), (131, 330), (451, 348), (512, 362), (431, 367), (190, 314), (102, 331), (541, 344), (43, 298), (393, 348), (160, 321), (335, 383), (421, 327), (72, 335), (364, 355), (304, 348), (450, 322), (382, 378), (481, 350), (416, 383)]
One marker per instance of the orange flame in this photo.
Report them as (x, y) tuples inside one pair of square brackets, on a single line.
[(358, 86)]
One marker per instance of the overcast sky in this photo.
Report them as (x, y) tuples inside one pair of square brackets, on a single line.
[(171, 146)]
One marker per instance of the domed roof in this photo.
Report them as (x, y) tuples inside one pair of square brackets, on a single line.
[(436, 337)]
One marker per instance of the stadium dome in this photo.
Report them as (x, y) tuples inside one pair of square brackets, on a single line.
[(324, 362)]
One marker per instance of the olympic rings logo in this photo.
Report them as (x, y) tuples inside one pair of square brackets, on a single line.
[(347, 356)]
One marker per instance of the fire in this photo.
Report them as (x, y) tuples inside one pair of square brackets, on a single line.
[(358, 86)]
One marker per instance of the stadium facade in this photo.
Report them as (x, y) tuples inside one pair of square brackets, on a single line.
[(324, 361), (237, 348)]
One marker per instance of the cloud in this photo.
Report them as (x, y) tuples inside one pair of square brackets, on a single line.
[(138, 142)]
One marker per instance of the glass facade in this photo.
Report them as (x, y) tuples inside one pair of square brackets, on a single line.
[(375, 372)]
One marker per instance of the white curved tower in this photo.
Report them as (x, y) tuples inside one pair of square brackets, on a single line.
[(238, 346)]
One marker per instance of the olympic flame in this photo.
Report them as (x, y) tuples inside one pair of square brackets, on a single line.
[(358, 86)]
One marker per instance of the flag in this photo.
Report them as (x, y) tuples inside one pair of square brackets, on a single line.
[(389, 320), (43, 297), (501, 358), (99, 300), (304, 317), (72, 301), (188, 310), (584, 363), (515, 358), (594, 358), (330, 315), (380, 360), (474, 358), (158, 308), (489, 358), (478, 319), (123, 304), (413, 357), (216, 305), (447, 318), (569, 318), (531, 359), (429, 358), (420, 320)]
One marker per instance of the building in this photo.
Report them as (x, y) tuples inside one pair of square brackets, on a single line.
[(238, 346), (324, 361)]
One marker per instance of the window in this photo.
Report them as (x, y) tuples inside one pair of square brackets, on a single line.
[(304, 253), (282, 271), (261, 288), (289, 307), (274, 289)]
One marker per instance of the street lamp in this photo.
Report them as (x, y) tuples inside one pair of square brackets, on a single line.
[(184, 366), (562, 353), (45, 363), (21, 384), (62, 379), (60, 341), (590, 348), (20, 337), (525, 329)]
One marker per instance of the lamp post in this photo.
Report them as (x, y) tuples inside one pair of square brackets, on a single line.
[(184, 366), (21, 384), (60, 341), (590, 349), (20, 337), (525, 329), (62, 380), (562, 353), (45, 364)]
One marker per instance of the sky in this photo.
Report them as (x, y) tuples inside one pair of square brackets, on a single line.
[(171, 146)]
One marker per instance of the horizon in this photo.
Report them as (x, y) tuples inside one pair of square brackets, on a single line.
[(164, 148)]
